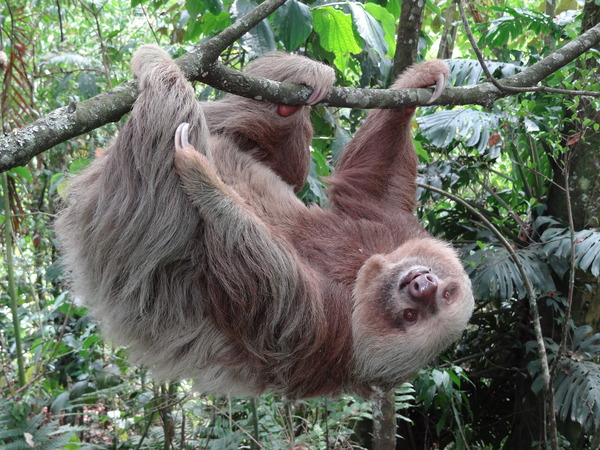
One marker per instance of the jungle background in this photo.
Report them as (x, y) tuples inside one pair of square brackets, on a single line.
[(514, 184)]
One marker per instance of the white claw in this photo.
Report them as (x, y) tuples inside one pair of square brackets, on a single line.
[(440, 85), (317, 95), (181, 136)]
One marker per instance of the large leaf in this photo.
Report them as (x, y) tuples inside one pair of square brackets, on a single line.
[(369, 29), (294, 21), (577, 385), (558, 249), (577, 393), (66, 59), (495, 276), (467, 72), (335, 31), (388, 22), (471, 127), (258, 40), (510, 26), (88, 85)]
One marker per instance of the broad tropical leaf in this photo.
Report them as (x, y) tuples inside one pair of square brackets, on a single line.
[(558, 249), (369, 28), (294, 21), (261, 38), (468, 72), (577, 384), (496, 277), (471, 127)]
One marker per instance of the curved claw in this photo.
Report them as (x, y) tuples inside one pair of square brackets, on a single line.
[(317, 95), (182, 136), (440, 85)]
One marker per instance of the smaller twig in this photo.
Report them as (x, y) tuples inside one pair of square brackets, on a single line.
[(148, 22), (146, 429), (565, 326), (475, 47)]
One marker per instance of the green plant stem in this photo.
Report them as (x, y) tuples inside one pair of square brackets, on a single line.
[(533, 308), (10, 270)]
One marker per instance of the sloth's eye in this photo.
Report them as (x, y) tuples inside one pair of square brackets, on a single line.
[(410, 315), (447, 295)]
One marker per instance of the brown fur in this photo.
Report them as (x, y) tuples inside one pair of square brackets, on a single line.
[(256, 127), (203, 261)]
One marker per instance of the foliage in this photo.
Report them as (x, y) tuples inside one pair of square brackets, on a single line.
[(18, 431), (557, 246), (577, 385), (500, 161), (495, 276)]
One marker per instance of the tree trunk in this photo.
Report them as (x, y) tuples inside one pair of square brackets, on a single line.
[(407, 37), (384, 420), (449, 33)]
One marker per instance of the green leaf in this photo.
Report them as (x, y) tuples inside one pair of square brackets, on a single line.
[(394, 7), (467, 72), (88, 86), (388, 22), (473, 128), (54, 272), (577, 392), (194, 8), (60, 403), (369, 29), (340, 140), (495, 275), (90, 340), (558, 250), (78, 165), (21, 172), (335, 31), (209, 24), (294, 21), (215, 23), (258, 40)]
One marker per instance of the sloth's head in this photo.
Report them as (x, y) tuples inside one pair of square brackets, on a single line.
[(409, 305)]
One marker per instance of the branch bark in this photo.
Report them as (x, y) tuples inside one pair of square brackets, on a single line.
[(200, 64), (407, 35)]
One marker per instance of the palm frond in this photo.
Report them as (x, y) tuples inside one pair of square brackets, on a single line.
[(495, 276), (558, 250), (471, 127)]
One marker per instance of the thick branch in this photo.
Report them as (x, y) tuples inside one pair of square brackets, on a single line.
[(19, 146)]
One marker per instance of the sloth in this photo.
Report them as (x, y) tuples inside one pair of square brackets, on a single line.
[(186, 241)]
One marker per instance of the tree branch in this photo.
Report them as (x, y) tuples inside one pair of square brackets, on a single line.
[(20, 145)]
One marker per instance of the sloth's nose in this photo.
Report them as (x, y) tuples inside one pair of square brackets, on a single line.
[(423, 287)]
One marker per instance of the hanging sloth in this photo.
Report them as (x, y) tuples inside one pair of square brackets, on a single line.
[(186, 240)]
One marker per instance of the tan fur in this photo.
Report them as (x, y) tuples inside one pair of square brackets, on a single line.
[(208, 267)]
